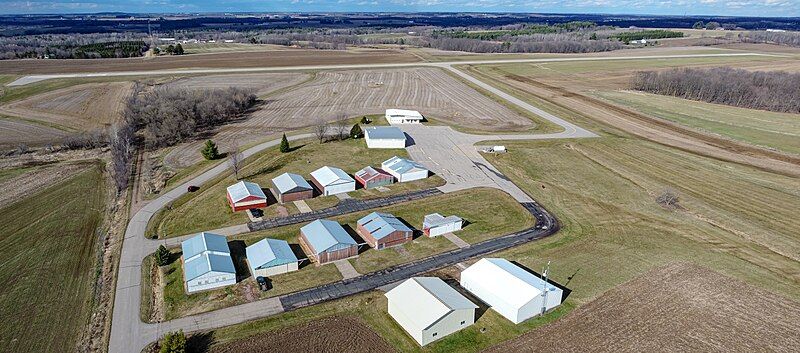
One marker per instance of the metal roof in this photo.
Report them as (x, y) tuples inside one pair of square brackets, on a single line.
[(422, 301), (268, 253), (368, 173), (401, 165), (384, 133), (244, 189), (331, 175), (409, 114), (208, 262), (509, 283), (287, 182), (204, 242), (435, 220), (379, 225), (324, 234)]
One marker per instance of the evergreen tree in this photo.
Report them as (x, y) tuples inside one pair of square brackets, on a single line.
[(162, 255), (173, 342), (356, 132), (285, 144), (210, 151), (179, 49), (170, 49), (364, 120), (699, 25), (593, 36)]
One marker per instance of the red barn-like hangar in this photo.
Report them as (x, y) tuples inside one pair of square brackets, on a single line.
[(245, 195)]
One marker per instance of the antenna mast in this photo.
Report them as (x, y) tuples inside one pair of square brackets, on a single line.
[(544, 290)]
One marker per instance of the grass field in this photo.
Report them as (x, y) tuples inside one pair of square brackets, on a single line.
[(780, 131), (490, 213), (208, 209), (48, 243)]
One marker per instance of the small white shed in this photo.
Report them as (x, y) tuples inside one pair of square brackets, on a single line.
[(404, 169), (332, 181), (510, 290), (384, 137), (435, 224), (429, 309), (270, 257), (207, 262), (403, 116)]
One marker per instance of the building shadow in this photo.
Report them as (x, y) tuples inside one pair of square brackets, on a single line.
[(362, 244), (415, 233), (409, 140), (300, 255), (239, 257), (271, 198), (482, 307), (566, 291)]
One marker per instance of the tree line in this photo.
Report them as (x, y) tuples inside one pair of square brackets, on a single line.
[(774, 91), (626, 37), (791, 39), (537, 43), (72, 46)]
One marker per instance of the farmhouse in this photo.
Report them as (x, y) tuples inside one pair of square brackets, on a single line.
[(371, 178), (384, 137), (435, 224), (207, 262), (510, 290), (292, 187), (245, 195), (327, 241), (404, 169), (429, 309), (382, 230), (331, 181), (271, 257), (402, 116)]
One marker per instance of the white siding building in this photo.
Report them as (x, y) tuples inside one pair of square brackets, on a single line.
[(435, 224), (332, 181), (207, 262), (403, 116), (384, 137), (404, 169), (271, 257), (511, 291), (429, 309)]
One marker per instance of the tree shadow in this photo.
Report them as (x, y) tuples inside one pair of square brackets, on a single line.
[(199, 342), (566, 291)]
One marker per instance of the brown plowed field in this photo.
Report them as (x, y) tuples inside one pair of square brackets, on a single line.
[(330, 335), (81, 107), (333, 94), (675, 308), (260, 83), (15, 132), (222, 60)]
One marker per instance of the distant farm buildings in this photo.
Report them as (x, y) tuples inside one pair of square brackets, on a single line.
[(292, 187), (382, 230), (429, 309), (331, 181), (207, 262), (270, 257), (370, 178), (404, 169), (435, 224), (402, 116), (510, 290), (245, 195), (384, 137), (327, 241)]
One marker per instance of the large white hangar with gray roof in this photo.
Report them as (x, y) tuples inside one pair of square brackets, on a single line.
[(429, 309), (207, 262), (384, 137)]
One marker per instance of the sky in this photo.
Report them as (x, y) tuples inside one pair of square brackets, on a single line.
[(658, 7)]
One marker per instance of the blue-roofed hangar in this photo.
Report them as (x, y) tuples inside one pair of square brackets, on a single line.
[(325, 241), (271, 257), (383, 230), (207, 262)]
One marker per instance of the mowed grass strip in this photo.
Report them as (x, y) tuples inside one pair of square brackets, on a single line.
[(208, 208), (490, 213), (780, 131), (47, 267)]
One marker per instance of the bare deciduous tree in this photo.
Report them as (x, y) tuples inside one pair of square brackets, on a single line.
[(235, 158), (341, 128), (321, 131), (121, 143), (668, 199)]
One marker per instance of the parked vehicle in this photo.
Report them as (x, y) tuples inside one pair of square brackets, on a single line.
[(263, 283)]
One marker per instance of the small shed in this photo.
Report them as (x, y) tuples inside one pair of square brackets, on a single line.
[(270, 257), (325, 241), (207, 262), (371, 178), (428, 309), (292, 187), (435, 224), (403, 116), (382, 230), (384, 137), (245, 195), (332, 181), (404, 169), (510, 290)]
